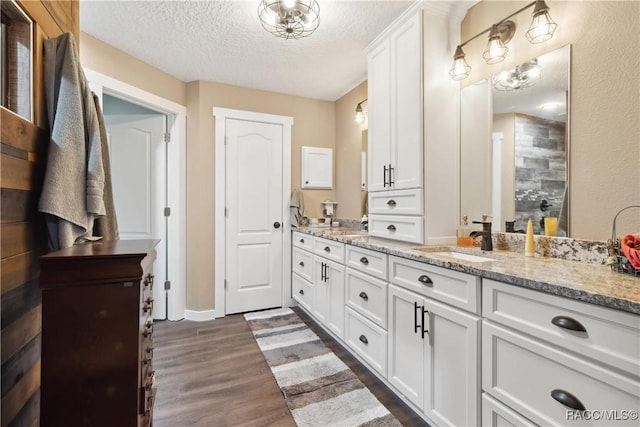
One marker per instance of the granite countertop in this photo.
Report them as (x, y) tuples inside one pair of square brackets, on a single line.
[(591, 283)]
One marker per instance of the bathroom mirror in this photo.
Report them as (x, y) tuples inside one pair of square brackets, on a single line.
[(514, 144)]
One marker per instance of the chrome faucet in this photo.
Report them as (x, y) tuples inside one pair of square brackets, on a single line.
[(487, 241)]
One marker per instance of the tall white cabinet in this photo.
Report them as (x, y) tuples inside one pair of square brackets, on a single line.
[(405, 145)]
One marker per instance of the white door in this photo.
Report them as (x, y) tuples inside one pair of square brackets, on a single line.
[(254, 231), (452, 375), (379, 134), (138, 174), (406, 101), (406, 346)]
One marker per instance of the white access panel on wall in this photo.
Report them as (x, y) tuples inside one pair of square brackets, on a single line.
[(317, 167)]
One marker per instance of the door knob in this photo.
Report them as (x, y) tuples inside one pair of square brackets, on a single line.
[(276, 225)]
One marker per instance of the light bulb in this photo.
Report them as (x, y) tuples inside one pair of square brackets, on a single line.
[(496, 51), (289, 3)]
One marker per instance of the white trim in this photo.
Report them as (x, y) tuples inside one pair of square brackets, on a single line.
[(177, 154), (221, 115), (200, 316)]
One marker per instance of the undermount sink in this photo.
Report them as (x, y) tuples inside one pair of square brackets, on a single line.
[(458, 255), (464, 257)]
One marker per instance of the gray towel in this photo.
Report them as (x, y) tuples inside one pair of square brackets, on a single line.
[(105, 226), (296, 208), (72, 193)]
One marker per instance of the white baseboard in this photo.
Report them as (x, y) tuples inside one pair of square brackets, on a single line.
[(200, 316)]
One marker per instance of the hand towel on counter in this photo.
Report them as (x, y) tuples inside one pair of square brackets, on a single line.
[(73, 189), (296, 208)]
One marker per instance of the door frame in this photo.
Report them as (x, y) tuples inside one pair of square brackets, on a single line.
[(221, 115), (176, 177)]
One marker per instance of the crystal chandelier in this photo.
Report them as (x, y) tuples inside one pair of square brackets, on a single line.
[(521, 77), (289, 19)]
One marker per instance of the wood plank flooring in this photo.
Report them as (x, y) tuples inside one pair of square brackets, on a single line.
[(212, 374)]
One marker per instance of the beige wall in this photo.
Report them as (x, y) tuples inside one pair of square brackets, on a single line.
[(347, 153), (103, 58), (313, 125), (605, 100)]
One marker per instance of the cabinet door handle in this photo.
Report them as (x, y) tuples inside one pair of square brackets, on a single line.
[(364, 260), (363, 339), (327, 249), (301, 263), (391, 182), (567, 399), (424, 331), (391, 227), (364, 296), (568, 323), (384, 176), (391, 203), (302, 241), (301, 291), (416, 325), (322, 272), (425, 280)]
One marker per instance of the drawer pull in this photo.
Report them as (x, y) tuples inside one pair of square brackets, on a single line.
[(567, 399), (391, 203), (565, 322), (301, 263), (148, 280), (301, 291), (424, 331), (364, 296), (148, 329), (364, 260), (425, 280), (363, 339), (302, 241), (391, 227), (327, 249), (416, 325)]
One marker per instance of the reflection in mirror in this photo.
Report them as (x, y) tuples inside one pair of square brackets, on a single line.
[(514, 145)]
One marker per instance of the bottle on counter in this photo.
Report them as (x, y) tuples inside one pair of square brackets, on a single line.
[(364, 223), (464, 233), (529, 246)]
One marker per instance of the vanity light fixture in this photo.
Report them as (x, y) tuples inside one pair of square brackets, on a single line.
[(542, 29), (460, 69), (360, 116), (289, 19), (496, 51)]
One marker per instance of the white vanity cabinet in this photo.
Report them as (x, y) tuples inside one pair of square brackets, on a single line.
[(577, 356), (395, 108), (433, 352)]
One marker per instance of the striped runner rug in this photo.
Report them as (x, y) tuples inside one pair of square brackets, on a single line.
[(318, 387)]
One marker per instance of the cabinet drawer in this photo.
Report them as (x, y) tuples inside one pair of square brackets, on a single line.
[(367, 296), (526, 374), (404, 228), (367, 340), (367, 261), (609, 336), (302, 263), (495, 414), (399, 202), (303, 241), (302, 291), (329, 249), (452, 287)]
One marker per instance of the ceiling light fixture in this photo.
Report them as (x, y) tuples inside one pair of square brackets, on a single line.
[(289, 19), (522, 76), (542, 29), (360, 115)]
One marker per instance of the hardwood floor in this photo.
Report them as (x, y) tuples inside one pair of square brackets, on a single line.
[(212, 374)]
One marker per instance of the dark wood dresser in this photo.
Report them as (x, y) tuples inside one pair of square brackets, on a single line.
[(97, 335)]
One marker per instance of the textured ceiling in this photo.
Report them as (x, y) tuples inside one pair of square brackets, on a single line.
[(223, 41)]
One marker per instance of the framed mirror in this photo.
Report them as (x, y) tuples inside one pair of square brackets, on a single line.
[(514, 145)]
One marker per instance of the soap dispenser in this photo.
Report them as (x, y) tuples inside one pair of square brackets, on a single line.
[(464, 233)]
